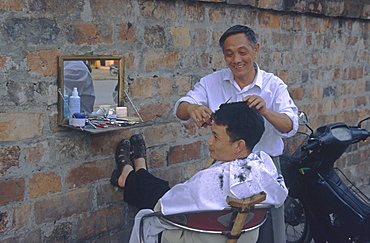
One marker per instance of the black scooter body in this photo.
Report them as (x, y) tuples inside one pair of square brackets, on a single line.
[(335, 213)]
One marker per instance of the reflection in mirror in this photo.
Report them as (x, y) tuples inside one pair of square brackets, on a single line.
[(303, 120), (98, 80), (77, 74)]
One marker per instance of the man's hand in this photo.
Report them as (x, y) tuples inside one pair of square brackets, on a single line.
[(257, 102), (281, 122), (199, 113)]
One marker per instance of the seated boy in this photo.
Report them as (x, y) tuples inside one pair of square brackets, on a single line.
[(236, 172)]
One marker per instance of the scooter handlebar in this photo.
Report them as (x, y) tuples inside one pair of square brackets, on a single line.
[(359, 134), (310, 146)]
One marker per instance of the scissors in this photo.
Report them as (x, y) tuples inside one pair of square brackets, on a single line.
[(211, 117)]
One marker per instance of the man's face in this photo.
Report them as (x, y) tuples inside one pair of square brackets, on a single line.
[(220, 145), (240, 56)]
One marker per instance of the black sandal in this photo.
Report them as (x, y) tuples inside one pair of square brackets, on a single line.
[(122, 158), (138, 148)]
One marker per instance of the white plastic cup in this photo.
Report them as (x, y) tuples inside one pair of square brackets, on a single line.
[(78, 119), (121, 111)]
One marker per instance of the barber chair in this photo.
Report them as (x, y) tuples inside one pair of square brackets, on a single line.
[(241, 216)]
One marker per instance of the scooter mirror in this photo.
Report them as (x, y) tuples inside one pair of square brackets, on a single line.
[(302, 118)]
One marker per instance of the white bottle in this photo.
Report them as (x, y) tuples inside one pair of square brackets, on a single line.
[(74, 104)]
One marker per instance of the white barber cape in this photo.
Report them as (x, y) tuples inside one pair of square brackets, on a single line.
[(208, 189)]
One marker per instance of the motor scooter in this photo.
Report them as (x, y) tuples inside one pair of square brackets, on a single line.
[(323, 204), (113, 70)]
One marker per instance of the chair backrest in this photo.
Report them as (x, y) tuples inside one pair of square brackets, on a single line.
[(216, 222), (243, 215)]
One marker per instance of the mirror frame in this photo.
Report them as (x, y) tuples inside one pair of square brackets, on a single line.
[(62, 58)]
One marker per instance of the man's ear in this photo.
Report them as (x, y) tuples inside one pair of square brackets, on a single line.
[(257, 48)]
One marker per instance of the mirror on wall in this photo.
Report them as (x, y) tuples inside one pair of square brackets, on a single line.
[(99, 80)]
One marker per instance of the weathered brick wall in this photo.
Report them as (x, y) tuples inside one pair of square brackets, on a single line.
[(54, 182)]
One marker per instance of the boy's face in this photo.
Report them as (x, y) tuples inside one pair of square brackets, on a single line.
[(220, 145)]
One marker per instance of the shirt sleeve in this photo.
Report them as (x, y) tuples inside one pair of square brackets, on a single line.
[(196, 96), (284, 105)]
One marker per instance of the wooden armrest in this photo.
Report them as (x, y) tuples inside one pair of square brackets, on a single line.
[(243, 204), (246, 202)]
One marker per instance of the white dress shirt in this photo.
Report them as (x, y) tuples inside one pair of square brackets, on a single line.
[(218, 87)]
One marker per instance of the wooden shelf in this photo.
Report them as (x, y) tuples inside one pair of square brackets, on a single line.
[(110, 128)]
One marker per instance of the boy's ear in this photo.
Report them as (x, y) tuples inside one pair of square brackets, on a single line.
[(241, 145)]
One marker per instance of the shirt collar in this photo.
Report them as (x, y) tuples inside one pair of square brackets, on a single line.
[(229, 76), (257, 80)]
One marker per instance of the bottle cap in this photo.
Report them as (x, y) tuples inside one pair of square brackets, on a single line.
[(75, 92)]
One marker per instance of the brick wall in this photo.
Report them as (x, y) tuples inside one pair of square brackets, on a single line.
[(54, 182)]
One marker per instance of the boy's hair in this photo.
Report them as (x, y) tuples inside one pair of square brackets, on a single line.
[(242, 122), (237, 29)]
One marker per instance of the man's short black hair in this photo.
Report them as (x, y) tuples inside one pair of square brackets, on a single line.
[(242, 122), (237, 29)]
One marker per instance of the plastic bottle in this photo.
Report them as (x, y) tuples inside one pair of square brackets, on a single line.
[(74, 104), (65, 105)]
